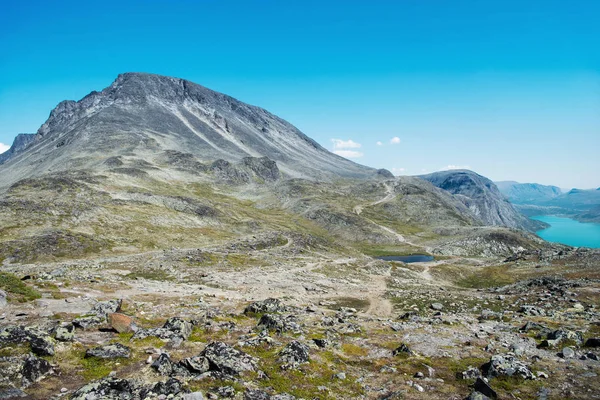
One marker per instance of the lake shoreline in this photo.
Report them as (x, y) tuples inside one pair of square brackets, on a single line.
[(569, 231)]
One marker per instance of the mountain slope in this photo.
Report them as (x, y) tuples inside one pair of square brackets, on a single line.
[(482, 197), (143, 115)]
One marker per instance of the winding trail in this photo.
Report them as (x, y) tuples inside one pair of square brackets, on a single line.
[(390, 195)]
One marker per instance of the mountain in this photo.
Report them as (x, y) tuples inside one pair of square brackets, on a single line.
[(19, 144), (528, 193), (482, 197), (142, 116), (153, 162)]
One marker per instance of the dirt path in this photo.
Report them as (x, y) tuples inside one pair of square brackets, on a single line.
[(379, 306)]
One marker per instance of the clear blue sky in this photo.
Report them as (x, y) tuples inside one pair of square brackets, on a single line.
[(510, 89)]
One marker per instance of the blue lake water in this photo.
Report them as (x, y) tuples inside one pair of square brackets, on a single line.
[(408, 259), (568, 231)]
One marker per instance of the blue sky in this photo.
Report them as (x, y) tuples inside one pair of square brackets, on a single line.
[(509, 89)]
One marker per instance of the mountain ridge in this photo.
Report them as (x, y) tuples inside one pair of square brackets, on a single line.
[(147, 113)]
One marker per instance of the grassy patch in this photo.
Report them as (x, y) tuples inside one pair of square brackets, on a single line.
[(153, 275), (488, 277), (95, 368), (353, 350), (16, 289)]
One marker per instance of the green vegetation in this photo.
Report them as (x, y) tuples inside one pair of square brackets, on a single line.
[(17, 289), (489, 277)]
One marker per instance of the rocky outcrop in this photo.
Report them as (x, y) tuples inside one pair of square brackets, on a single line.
[(21, 142)]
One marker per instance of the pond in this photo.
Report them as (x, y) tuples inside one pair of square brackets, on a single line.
[(413, 258)]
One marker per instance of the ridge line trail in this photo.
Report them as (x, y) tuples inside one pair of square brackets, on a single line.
[(390, 195)]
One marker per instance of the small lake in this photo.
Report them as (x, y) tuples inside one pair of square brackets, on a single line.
[(569, 231), (414, 258)]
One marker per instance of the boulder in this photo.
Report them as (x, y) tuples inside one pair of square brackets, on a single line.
[(108, 389), (41, 344), (65, 333), (279, 323), (34, 369), (121, 323), (114, 350), (568, 352), (506, 365), (294, 354), (171, 387), (481, 386), (163, 364), (173, 329), (224, 358), (267, 306), (564, 335)]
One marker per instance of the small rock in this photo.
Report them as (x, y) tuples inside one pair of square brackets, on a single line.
[(340, 375), (568, 352), (437, 306)]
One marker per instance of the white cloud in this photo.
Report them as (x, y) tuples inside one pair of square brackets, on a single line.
[(345, 144), (398, 171), (379, 144), (3, 147), (348, 153), (451, 166), (395, 140)]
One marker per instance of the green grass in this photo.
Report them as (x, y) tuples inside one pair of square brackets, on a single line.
[(16, 289)]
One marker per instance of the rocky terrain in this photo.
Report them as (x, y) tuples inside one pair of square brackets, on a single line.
[(282, 316), (159, 240)]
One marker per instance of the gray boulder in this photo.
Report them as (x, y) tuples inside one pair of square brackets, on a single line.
[(506, 365), (279, 323), (224, 358), (294, 354), (109, 389), (65, 333), (41, 344), (267, 306), (174, 329), (34, 369)]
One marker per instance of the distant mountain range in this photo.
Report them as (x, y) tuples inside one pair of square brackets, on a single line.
[(535, 199)]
